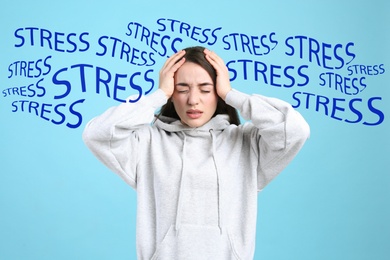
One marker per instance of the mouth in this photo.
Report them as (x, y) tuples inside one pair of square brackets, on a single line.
[(194, 113)]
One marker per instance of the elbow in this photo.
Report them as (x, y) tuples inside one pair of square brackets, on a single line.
[(299, 131), (305, 131), (302, 132), (87, 137), (90, 135)]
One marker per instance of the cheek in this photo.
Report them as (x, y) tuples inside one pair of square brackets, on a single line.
[(212, 102), (177, 102)]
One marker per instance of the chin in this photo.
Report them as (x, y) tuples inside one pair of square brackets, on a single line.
[(194, 124)]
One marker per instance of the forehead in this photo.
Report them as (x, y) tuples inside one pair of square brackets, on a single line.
[(191, 72)]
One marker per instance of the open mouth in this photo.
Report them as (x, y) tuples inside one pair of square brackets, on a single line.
[(194, 114)]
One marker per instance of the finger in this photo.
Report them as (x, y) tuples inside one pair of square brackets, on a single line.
[(171, 61), (170, 71), (217, 62), (213, 56), (214, 60)]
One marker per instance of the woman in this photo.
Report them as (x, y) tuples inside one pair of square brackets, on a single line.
[(196, 170)]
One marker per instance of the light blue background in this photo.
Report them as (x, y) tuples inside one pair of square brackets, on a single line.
[(58, 202)]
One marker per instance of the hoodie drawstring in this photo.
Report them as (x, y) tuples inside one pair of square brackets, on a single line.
[(182, 183), (183, 171), (213, 140)]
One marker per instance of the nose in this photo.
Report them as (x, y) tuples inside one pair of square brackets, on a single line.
[(193, 98)]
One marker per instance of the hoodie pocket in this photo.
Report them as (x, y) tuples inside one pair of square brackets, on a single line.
[(193, 242)]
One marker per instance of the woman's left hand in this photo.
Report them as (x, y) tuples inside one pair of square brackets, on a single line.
[(223, 80)]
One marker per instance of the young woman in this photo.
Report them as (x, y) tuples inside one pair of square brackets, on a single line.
[(196, 170)]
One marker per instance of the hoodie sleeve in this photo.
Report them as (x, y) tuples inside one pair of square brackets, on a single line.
[(278, 134), (113, 137)]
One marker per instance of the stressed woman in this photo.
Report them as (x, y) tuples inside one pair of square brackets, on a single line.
[(197, 170)]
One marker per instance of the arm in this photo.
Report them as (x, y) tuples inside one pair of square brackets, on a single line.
[(113, 137), (279, 133)]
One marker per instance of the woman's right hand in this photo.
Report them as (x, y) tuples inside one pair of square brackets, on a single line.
[(167, 72)]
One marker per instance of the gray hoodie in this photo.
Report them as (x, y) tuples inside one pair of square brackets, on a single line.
[(197, 187)]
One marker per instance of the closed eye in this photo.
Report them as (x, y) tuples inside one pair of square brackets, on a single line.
[(206, 87), (182, 87)]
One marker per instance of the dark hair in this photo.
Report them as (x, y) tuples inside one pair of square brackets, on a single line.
[(196, 55)]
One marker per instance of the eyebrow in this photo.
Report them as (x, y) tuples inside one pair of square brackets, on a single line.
[(183, 84)]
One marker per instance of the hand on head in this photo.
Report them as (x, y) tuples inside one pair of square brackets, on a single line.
[(167, 72), (223, 80), (172, 64)]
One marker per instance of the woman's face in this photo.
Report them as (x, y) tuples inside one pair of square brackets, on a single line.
[(194, 97)]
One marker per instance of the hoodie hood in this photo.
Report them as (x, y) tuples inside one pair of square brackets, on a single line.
[(217, 123)]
